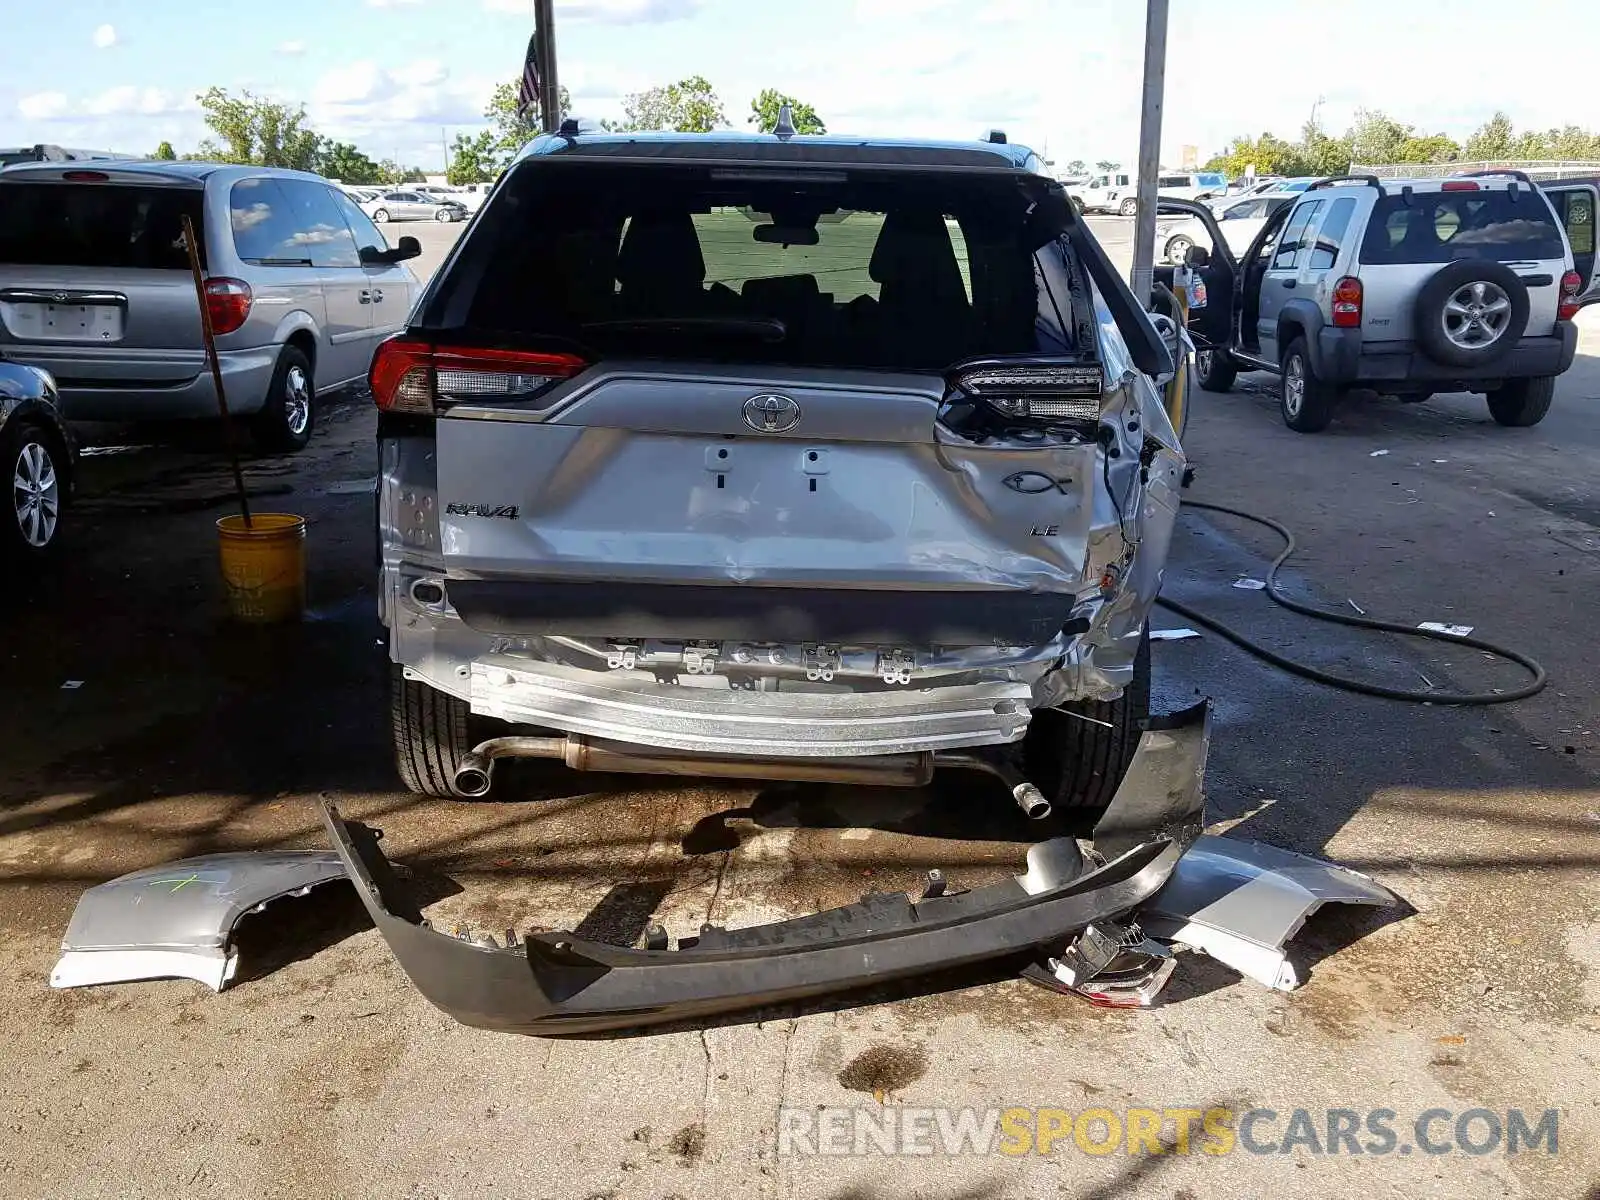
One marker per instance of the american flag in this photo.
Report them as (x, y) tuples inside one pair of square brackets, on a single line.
[(528, 93)]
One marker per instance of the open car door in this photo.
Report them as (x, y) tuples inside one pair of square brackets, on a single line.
[(1574, 202), (1208, 326)]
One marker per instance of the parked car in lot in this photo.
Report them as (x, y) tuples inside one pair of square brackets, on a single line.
[(37, 455), (405, 205), (1407, 287), (881, 478), (1239, 221), (1274, 184), (95, 287)]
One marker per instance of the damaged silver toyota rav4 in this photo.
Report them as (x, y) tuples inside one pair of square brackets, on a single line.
[(775, 457)]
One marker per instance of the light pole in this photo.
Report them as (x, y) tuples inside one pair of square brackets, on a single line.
[(1155, 71)]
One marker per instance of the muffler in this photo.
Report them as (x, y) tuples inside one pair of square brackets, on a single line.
[(474, 774)]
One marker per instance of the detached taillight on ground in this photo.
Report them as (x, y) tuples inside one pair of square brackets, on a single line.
[(1568, 307), (228, 301), (411, 376), (1347, 303)]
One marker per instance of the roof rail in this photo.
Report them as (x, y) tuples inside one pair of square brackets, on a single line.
[(1369, 180), (1519, 175)]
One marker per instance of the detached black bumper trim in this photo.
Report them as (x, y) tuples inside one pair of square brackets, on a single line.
[(557, 983)]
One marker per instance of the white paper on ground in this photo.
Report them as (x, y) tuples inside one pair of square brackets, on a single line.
[(1173, 635), (1250, 585), (1441, 627)]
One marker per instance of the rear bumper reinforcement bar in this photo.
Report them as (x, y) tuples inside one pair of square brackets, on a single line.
[(556, 983), (632, 707)]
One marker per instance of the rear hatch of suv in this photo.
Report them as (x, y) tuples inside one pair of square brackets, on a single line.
[(1415, 233), (94, 275), (687, 401)]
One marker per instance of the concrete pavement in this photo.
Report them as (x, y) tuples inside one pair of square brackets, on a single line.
[(323, 1073)]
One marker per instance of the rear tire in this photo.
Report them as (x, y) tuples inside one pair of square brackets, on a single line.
[(1215, 370), (1128, 207), (380, 216), (1306, 402), (289, 414), (430, 735), (1522, 402), (1176, 248), (1080, 763)]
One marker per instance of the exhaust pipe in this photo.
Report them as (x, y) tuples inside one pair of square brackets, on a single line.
[(474, 773), (1028, 797)]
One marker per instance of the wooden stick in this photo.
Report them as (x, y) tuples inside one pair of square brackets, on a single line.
[(191, 241)]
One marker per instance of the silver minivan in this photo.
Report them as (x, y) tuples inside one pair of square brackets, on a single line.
[(95, 287)]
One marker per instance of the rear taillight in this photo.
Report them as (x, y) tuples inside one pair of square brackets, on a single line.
[(1042, 394), (1459, 185), (228, 301), (1568, 306), (411, 376), (84, 177), (1347, 303)]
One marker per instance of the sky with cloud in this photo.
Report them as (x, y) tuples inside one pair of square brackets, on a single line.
[(400, 76)]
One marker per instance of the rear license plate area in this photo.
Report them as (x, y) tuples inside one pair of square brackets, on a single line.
[(45, 322)]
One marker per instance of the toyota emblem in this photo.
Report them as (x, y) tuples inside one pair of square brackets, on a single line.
[(770, 413)]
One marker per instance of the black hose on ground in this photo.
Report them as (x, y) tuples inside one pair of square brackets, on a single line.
[(1533, 686)]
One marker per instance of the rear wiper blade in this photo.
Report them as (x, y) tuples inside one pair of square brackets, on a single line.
[(767, 329)]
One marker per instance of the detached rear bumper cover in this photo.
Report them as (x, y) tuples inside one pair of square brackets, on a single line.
[(557, 983)]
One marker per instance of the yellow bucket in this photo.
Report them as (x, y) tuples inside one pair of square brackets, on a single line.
[(264, 566)]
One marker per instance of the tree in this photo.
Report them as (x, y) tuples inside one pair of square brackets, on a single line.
[(1267, 154), (764, 112), (1105, 164), (342, 161), (1429, 148), (1375, 138), (1491, 140), (392, 173), (688, 106), (513, 131), (258, 132), (1321, 154), (1077, 167), (165, 152), (473, 159)]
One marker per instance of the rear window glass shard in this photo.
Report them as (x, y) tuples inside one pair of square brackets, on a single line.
[(1437, 227), (112, 225), (901, 272)]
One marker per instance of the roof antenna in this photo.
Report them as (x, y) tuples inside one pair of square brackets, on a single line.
[(784, 129)]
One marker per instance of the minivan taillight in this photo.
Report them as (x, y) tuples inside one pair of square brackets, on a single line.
[(228, 301), (1568, 306), (1347, 303), (412, 376)]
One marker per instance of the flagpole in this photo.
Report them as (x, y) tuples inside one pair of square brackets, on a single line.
[(549, 86)]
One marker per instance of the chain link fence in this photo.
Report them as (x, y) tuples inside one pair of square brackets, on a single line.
[(1541, 170)]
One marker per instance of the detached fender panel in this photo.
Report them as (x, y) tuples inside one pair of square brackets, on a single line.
[(557, 983), (177, 920)]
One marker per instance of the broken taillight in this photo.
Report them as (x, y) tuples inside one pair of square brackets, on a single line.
[(1034, 393), (413, 376), (1347, 303), (1568, 306), (228, 302)]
